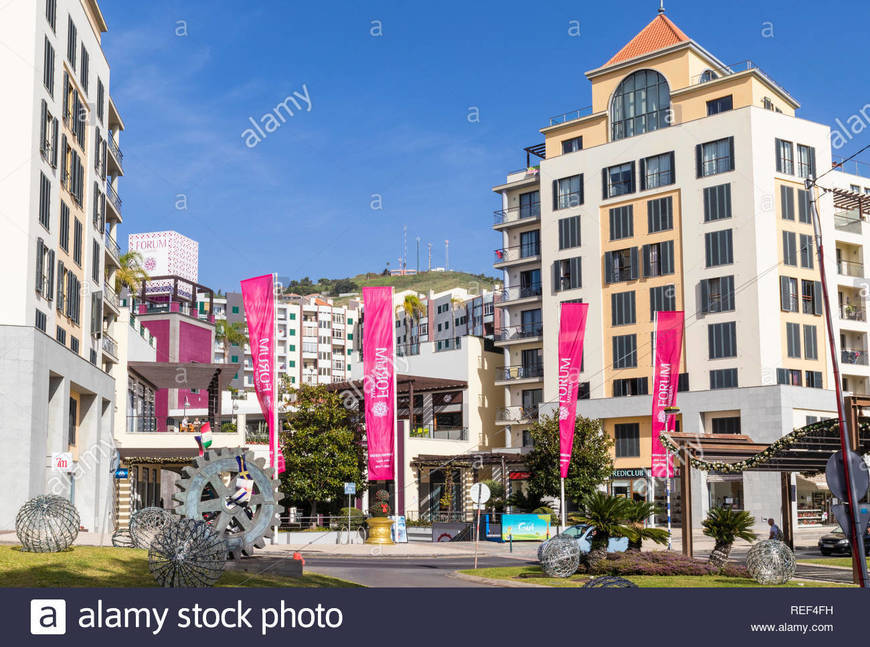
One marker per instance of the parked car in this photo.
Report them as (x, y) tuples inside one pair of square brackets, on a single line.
[(583, 535), (836, 543)]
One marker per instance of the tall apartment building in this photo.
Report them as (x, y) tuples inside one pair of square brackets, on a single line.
[(681, 188), (58, 310)]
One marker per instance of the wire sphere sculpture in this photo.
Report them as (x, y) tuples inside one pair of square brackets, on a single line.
[(770, 562), (187, 553), (47, 524), (541, 550), (609, 582), (123, 539), (146, 523), (560, 557)]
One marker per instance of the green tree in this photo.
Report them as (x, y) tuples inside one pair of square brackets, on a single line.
[(636, 515), (412, 307), (229, 334), (725, 525), (590, 465), (525, 501), (321, 446), (131, 274), (607, 513), (496, 496)]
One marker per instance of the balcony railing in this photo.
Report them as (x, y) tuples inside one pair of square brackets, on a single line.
[(439, 433), (524, 331), (181, 307), (309, 332), (728, 70), (517, 414), (116, 151), (113, 196), (848, 222), (507, 373), (528, 211), (110, 296), (565, 117), (849, 268), (112, 247), (852, 313), (451, 343), (110, 346), (520, 292), (517, 252), (851, 356), (149, 424), (406, 350)]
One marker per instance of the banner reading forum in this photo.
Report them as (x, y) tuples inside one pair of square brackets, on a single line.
[(258, 296), (669, 346), (379, 379), (572, 328)]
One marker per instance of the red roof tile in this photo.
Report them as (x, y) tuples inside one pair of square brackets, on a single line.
[(658, 34)]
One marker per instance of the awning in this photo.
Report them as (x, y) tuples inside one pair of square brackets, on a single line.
[(186, 375)]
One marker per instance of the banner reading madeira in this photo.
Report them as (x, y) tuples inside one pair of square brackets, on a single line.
[(669, 346), (259, 300), (572, 327), (379, 354)]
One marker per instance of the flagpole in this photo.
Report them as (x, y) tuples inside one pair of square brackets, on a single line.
[(562, 485), (275, 399)]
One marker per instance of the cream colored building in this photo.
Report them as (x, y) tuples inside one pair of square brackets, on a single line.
[(681, 188)]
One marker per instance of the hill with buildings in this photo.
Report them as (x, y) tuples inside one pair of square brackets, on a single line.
[(422, 282)]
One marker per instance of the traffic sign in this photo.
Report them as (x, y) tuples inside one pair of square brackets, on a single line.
[(837, 479), (122, 473), (480, 493), (350, 488)]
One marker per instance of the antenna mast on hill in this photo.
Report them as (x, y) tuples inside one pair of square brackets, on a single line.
[(429, 245), (446, 255)]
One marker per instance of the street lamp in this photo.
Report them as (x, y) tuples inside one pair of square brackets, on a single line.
[(669, 411)]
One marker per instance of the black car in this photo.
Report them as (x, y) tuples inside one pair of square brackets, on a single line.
[(836, 543)]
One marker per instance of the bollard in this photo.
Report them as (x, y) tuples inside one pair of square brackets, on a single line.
[(511, 539)]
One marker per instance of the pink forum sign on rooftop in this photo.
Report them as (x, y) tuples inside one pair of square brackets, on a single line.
[(166, 253)]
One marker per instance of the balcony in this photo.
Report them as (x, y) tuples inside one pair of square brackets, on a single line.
[(522, 214), (525, 332), (854, 357), (451, 343), (110, 347), (849, 268), (407, 350), (117, 153), (524, 253), (110, 297), (847, 222), (513, 373), (181, 307), (438, 433), (112, 198), (516, 414), (143, 424), (112, 249), (309, 332), (574, 115), (735, 68), (852, 313), (519, 293)]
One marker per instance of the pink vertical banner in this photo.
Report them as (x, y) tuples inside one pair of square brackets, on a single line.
[(669, 347), (258, 296), (572, 328), (379, 381)]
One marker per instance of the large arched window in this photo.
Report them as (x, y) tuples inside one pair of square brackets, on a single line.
[(640, 104)]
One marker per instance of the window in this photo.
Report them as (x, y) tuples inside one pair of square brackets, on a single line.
[(530, 243), (660, 214), (630, 386), (788, 294), (723, 378), (44, 201), (719, 248), (715, 157), (625, 351), (530, 205), (44, 270), (811, 347), (63, 234), (568, 192), (51, 13), (73, 297), (814, 379), (726, 425), (806, 251), (788, 376), (627, 439), (640, 104), (717, 202), (806, 161), (618, 180), (84, 72), (656, 171), (61, 287), (41, 321), (784, 157), (101, 100), (77, 241), (621, 222), (786, 201), (95, 263), (74, 344), (568, 274), (717, 295), (767, 103), (658, 258), (621, 265), (71, 43), (48, 131), (662, 298), (569, 232), (622, 308), (60, 335), (572, 145), (811, 295), (48, 67), (789, 248), (722, 338), (804, 206), (235, 310), (722, 104), (583, 391), (793, 340)]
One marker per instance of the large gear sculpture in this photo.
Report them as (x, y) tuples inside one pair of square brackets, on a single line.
[(208, 492)]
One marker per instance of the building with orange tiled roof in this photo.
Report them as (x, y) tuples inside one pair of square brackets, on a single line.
[(682, 187)]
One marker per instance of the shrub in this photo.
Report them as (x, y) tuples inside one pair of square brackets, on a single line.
[(381, 505), (661, 563), (357, 518)]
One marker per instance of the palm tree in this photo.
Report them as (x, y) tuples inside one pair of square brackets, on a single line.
[(725, 525), (607, 514), (131, 274), (525, 502), (412, 307), (230, 334), (637, 513)]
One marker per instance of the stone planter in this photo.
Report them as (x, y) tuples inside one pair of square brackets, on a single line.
[(379, 530)]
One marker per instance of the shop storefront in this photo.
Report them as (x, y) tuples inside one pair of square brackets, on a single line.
[(814, 500), (725, 490), (631, 483)]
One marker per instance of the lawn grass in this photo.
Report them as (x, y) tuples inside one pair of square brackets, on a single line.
[(831, 561), (92, 566), (534, 575)]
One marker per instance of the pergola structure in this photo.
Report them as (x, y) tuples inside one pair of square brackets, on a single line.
[(805, 450)]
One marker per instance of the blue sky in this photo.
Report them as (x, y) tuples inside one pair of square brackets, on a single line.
[(389, 113)]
